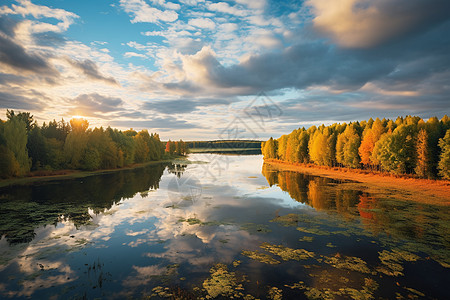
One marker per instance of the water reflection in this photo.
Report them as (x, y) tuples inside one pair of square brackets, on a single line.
[(25, 208), (184, 231)]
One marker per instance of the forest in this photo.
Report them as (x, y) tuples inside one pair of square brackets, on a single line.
[(25, 146), (408, 145)]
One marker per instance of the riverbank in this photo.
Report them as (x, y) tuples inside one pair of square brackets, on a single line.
[(382, 185), (40, 176)]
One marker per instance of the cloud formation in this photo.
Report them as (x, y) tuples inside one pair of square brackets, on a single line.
[(90, 69), (319, 60), (94, 105), (363, 24), (143, 12)]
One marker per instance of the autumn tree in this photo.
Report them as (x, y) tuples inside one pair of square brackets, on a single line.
[(292, 145), (281, 149), (141, 146), (269, 149), (347, 147), (396, 151), (370, 137)]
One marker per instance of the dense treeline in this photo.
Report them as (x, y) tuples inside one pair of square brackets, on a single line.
[(25, 147), (405, 146)]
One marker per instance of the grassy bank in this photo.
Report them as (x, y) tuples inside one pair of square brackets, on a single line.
[(41, 176), (378, 184)]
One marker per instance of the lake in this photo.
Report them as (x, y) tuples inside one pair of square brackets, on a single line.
[(224, 226)]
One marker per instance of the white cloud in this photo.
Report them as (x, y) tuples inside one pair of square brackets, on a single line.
[(203, 23), (192, 2), (254, 4), (26, 8), (145, 13), (134, 54), (168, 5), (224, 7)]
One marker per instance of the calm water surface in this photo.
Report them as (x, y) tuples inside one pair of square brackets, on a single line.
[(231, 227)]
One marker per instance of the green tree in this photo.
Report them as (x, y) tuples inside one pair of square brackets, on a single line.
[(444, 161), (347, 147), (302, 150), (37, 148), (423, 162), (141, 145), (76, 143), (15, 136), (26, 117), (396, 151)]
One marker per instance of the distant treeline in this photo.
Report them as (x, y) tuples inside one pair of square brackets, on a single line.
[(25, 147), (407, 145), (225, 144)]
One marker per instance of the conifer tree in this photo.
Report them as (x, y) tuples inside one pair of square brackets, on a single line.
[(423, 163), (444, 159)]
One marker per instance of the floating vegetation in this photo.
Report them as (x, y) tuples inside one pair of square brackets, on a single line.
[(287, 253), (253, 228), (195, 221), (306, 239), (275, 293), (392, 260), (416, 293), (325, 293), (330, 245), (347, 262), (365, 292), (287, 220), (163, 292), (223, 283), (261, 257), (313, 230), (236, 263)]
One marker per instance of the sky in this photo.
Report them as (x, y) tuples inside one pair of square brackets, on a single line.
[(201, 70)]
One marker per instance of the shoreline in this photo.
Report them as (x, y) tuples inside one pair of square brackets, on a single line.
[(73, 174), (427, 191)]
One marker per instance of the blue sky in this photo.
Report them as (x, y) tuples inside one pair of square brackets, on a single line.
[(188, 69)]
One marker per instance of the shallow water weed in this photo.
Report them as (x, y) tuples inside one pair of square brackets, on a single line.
[(287, 220), (222, 283), (306, 239), (253, 228), (313, 230), (365, 291), (163, 292), (392, 260), (261, 257), (275, 293), (350, 263), (287, 253)]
